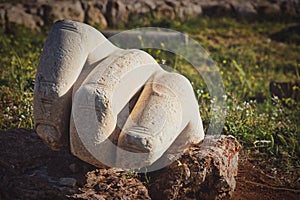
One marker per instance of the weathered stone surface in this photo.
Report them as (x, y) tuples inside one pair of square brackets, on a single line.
[(154, 128), (68, 46), (205, 171), (83, 127), (84, 83), (94, 16), (140, 9), (116, 13), (163, 10), (190, 11), (58, 10), (244, 10), (17, 14), (216, 8)]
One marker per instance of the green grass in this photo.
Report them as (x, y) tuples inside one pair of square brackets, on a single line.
[(20, 53), (246, 56)]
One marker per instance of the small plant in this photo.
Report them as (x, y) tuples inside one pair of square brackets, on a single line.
[(130, 174)]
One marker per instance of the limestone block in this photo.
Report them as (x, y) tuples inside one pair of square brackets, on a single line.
[(116, 107)]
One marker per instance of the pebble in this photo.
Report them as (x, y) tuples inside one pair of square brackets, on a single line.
[(70, 182)]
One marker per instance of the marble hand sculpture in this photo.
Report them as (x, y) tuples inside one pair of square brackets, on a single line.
[(111, 106)]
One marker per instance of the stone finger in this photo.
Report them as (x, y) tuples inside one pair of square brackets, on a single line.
[(166, 108), (64, 54), (99, 100)]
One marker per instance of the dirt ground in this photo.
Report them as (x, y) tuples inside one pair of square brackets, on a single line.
[(253, 182), (29, 170)]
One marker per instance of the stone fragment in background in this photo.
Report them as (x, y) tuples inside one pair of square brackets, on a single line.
[(94, 15), (58, 10), (16, 14), (206, 171), (116, 13)]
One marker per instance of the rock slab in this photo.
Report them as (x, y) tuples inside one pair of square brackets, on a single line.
[(206, 171)]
